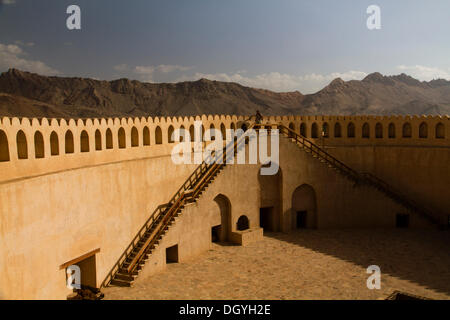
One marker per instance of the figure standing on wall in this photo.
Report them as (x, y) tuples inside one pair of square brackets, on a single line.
[(258, 117)]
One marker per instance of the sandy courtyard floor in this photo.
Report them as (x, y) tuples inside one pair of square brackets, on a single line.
[(307, 264)]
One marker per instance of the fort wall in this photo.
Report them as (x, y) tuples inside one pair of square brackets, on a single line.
[(54, 208)]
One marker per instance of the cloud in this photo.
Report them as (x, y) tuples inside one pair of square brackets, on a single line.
[(12, 56), (147, 72), (424, 73), (280, 82), (121, 67), (164, 68), (22, 43)]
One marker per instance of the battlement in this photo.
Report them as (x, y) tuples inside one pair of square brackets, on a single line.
[(30, 147)]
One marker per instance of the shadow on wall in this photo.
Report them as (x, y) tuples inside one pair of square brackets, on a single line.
[(420, 256)]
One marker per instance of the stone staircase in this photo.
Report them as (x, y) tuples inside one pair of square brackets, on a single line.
[(358, 178), (149, 236)]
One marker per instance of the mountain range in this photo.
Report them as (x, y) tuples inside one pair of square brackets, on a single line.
[(24, 94)]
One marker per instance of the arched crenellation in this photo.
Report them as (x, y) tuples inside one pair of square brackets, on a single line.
[(337, 130), (84, 141), (406, 130), (134, 137), (22, 146), (158, 135), (54, 144), (440, 131), (391, 131), (98, 140), (121, 138), (303, 130), (378, 131), (4, 147), (109, 139), (423, 130), (314, 131), (39, 150), (104, 133), (366, 130), (351, 130), (69, 143), (146, 136)]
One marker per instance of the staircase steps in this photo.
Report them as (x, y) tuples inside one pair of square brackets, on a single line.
[(358, 178), (134, 260)]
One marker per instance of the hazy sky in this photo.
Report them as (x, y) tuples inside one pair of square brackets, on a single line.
[(282, 45)]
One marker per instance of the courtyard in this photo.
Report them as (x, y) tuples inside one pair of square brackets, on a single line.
[(307, 264)]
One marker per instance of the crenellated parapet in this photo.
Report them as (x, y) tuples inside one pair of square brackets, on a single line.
[(372, 130), (30, 147), (35, 146)]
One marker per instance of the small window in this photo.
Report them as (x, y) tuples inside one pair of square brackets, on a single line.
[(172, 254), (242, 223)]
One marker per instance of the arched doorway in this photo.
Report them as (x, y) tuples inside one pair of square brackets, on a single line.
[(270, 191), (220, 232), (304, 207)]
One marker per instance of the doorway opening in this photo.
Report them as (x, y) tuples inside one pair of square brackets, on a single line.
[(402, 220), (301, 219), (88, 269), (266, 218), (215, 233), (172, 254), (88, 272)]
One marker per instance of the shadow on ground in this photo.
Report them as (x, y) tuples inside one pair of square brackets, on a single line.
[(420, 256)]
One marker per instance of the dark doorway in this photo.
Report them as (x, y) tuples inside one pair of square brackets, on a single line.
[(402, 220), (301, 219), (242, 223), (266, 218), (88, 272), (215, 233), (172, 254)]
